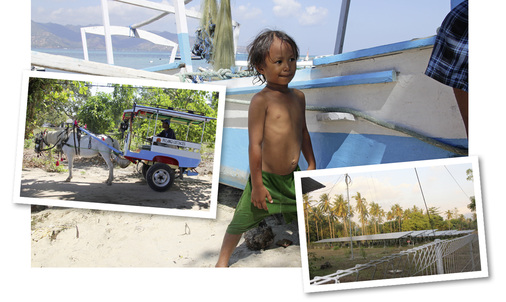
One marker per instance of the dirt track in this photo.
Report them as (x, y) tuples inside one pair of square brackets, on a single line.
[(128, 188)]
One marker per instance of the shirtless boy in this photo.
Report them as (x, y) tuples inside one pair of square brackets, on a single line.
[(277, 135)]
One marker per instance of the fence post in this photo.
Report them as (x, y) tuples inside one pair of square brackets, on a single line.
[(471, 253), (439, 257)]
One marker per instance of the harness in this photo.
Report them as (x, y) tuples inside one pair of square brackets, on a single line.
[(77, 139), (62, 139), (64, 136)]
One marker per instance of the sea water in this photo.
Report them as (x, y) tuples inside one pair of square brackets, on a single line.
[(131, 59)]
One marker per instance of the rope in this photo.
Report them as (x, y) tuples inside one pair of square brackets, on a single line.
[(454, 149), (222, 74)]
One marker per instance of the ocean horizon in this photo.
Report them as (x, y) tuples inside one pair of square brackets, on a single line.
[(131, 59)]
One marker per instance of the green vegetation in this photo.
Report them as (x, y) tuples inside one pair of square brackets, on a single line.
[(323, 262), (54, 101), (327, 217)]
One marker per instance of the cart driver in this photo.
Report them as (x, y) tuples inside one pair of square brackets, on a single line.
[(167, 132)]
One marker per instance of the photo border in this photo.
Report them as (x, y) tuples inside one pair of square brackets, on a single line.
[(114, 207), (473, 160)]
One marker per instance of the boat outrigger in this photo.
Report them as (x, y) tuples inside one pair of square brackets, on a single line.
[(163, 159)]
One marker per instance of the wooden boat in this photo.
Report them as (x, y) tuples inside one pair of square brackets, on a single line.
[(369, 106)]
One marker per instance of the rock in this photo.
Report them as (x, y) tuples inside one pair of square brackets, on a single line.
[(284, 243), (260, 237)]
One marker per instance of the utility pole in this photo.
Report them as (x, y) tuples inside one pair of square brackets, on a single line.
[(347, 179)]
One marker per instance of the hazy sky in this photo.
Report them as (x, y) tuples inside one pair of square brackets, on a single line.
[(444, 187), (313, 24)]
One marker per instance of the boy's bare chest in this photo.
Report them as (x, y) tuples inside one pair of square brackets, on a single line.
[(283, 111), (283, 116)]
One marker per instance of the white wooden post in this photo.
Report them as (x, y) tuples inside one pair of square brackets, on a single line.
[(85, 44), (107, 31), (182, 34), (439, 257)]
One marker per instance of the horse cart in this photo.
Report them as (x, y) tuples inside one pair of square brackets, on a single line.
[(163, 159)]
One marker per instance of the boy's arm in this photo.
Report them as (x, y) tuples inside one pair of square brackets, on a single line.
[(307, 147), (256, 119)]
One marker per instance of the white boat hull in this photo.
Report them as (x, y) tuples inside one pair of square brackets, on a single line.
[(397, 112)]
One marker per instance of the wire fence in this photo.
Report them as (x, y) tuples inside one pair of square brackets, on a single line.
[(439, 257)]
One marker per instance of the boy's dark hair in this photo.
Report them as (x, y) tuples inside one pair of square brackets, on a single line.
[(259, 48)]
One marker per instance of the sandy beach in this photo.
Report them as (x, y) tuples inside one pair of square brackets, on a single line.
[(94, 238), (70, 237)]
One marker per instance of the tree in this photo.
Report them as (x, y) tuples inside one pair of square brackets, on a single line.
[(52, 101), (469, 173), (305, 204), (325, 207), (318, 218), (96, 113), (185, 99), (375, 211), (341, 210), (415, 221), (397, 212), (472, 205), (362, 209), (381, 215)]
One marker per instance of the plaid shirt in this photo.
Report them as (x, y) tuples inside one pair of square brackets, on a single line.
[(449, 59)]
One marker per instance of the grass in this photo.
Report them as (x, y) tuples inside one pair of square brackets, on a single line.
[(323, 262), (327, 261)]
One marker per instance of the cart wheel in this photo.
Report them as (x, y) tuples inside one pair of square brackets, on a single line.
[(160, 177), (145, 168)]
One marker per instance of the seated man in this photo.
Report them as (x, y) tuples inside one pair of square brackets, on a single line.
[(167, 132)]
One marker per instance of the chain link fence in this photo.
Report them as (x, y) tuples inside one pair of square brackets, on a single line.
[(439, 257)]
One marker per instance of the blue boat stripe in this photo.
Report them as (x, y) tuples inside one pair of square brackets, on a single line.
[(370, 52), (174, 65), (354, 79)]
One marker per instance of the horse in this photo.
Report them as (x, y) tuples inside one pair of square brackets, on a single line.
[(67, 141)]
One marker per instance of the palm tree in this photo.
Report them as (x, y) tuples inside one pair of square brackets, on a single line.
[(390, 217), (325, 206), (342, 211), (362, 209), (317, 217), (381, 215), (472, 205), (307, 208), (397, 212), (375, 210), (449, 214)]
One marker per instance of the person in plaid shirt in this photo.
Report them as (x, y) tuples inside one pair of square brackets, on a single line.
[(449, 59)]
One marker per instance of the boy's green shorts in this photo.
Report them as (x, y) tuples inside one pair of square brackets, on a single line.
[(282, 190)]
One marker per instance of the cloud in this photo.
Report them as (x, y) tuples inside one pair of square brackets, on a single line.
[(310, 15), (246, 12), (286, 8), (313, 15)]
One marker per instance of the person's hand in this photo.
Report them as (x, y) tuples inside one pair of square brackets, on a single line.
[(259, 197)]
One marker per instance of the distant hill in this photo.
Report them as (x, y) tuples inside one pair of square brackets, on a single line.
[(51, 35)]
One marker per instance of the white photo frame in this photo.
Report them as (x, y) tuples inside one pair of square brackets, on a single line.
[(392, 169), (201, 211)]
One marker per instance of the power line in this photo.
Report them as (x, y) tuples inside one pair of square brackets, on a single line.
[(456, 182), (423, 197)]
